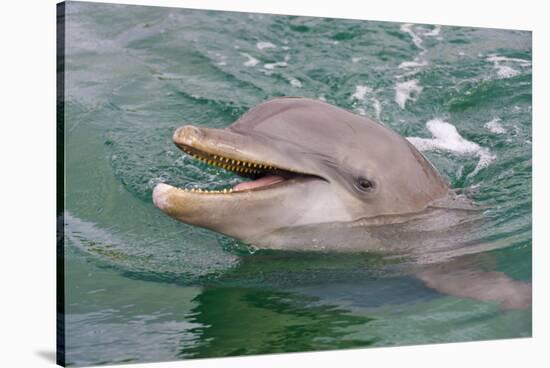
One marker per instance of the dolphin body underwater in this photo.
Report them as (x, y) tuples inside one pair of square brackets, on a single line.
[(323, 178)]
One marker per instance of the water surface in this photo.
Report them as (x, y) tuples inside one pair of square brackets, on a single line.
[(142, 287)]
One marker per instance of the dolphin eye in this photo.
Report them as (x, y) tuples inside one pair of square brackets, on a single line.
[(364, 184)]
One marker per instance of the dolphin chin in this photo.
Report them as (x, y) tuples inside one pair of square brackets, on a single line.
[(308, 163)]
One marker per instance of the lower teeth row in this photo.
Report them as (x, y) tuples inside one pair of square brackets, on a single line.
[(200, 190)]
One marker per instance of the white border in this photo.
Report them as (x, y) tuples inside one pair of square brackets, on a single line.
[(27, 117)]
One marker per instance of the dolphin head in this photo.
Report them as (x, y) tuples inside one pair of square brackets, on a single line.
[(309, 163)]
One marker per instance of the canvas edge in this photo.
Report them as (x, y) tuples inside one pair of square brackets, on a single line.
[(60, 184)]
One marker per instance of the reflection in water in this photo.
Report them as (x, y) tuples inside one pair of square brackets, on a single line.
[(269, 322)]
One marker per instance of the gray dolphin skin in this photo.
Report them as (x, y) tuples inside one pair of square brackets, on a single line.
[(311, 163)]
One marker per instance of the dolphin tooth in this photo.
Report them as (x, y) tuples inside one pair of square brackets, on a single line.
[(232, 161)]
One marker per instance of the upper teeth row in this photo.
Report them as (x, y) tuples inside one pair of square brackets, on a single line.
[(233, 165)]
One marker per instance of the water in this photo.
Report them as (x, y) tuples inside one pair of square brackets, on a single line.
[(142, 287)]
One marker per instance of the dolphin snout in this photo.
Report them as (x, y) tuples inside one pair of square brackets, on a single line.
[(160, 195), (187, 134)]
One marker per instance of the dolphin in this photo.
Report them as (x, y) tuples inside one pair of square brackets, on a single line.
[(323, 178), (310, 163)]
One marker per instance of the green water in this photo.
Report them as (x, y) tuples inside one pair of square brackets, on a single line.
[(142, 287)]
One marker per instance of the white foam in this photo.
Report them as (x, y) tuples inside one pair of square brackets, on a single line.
[(295, 83), (360, 92), (506, 71), (447, 138), (496, 58), (495, 127), (404, 91), (272, 66), (251, 60), (356, 59), (407, 28), (377, 107), (412, 64), (434, 32), (265, 45)]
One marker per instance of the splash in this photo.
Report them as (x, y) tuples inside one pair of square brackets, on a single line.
[(405, 91), (251, 60), (417, 40), (265, 45), (360, 94), (506, 71), (272, 66), (295, 83), (447, 138), (495, 127)]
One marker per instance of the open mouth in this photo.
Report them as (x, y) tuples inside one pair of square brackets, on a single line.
[(262, 175)]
